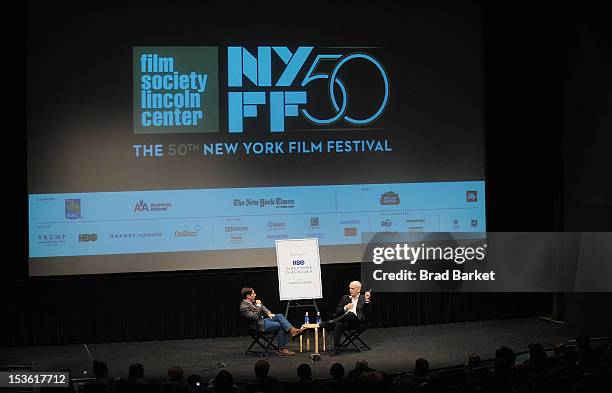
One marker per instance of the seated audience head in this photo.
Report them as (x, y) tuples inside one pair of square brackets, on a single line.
[(304, 372), (224, 381), (507, 354), (369, 382), (135, 372), (175, 374), (336, 371), (474, 361), (421, 367), (100, 369), (501, 367), (262, 368), (537, 357), (361, 364), (536, 351)]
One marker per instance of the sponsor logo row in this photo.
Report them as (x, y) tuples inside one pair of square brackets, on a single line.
[(55, 239), (73, 206), (237, 233)]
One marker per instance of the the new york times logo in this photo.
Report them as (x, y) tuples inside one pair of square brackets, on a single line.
[(263, 202), (404, 252), (254, 86)]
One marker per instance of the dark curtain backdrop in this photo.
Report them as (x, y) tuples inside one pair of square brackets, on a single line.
[(205, 304)]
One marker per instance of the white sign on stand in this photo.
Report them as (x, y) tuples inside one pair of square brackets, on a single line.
[(299, 269)]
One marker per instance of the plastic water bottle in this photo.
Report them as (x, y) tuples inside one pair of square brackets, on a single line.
[(318, 317), (306, 319)]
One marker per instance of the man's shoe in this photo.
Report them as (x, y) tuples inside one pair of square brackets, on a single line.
[(285, 352), (296, 332), (333, 352)]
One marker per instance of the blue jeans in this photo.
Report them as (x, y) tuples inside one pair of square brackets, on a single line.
[(278, 324)]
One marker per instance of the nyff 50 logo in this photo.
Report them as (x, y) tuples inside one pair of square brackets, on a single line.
[(280, 94)]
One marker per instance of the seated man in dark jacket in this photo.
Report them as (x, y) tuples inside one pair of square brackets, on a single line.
[(350, 313), (260, 318)]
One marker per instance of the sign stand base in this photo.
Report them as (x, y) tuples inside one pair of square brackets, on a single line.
[(298, 304)]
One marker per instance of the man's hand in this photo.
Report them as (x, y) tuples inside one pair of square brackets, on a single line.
[(348, 306), (367, 296), (271, 315)]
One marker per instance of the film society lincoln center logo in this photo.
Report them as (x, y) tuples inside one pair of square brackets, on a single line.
[(175, 89)]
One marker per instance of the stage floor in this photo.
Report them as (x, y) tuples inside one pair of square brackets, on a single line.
[(393, 349)]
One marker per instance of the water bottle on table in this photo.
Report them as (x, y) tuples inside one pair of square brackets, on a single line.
[(318, 317)]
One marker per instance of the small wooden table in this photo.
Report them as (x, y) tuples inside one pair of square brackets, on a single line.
[(315, 327)]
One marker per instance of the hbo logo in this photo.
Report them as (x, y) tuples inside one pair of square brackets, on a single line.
[(88, 237)]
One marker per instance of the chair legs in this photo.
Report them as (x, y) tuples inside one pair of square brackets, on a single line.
[(266, 345), (351, 336)]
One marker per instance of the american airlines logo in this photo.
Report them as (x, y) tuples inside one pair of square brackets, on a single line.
[(142, 206)]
